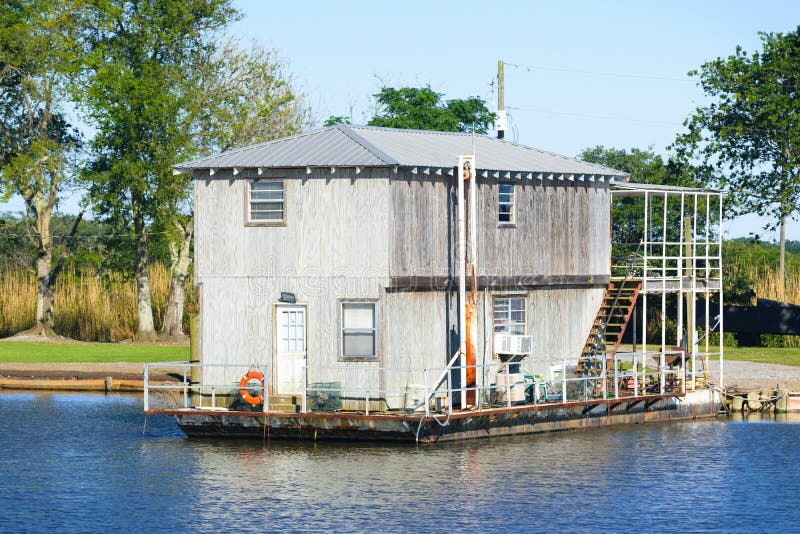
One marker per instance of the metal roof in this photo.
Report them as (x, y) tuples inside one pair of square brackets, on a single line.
[(371, 146)]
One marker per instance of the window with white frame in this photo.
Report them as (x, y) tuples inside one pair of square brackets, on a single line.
[(266, 203), (509, 315), (505, 204), (359, 336)]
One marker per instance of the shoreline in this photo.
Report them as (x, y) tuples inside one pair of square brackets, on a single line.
[(101, 377), (739, 375)]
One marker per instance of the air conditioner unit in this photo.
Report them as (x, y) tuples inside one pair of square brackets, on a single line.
[(508, 344)]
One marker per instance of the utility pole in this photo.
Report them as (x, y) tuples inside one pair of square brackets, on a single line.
[(501, 104)]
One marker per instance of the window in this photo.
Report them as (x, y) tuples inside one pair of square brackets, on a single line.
[(509, 315), (358, 330), (266, 202), (505, 204)]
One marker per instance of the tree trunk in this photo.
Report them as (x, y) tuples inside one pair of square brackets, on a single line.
[(180, 260), (45, 296), (145, 332), (45, 282), (782, 259)]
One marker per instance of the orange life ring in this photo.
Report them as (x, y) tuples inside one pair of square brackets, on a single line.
[(249, 399)]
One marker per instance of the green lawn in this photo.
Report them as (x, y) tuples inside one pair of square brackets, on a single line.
[(764, 355), (42, 352), (750, 354)]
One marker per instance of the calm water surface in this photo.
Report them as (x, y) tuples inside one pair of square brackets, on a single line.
[(87, 463)]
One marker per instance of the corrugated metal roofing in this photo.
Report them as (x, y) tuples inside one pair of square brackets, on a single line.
[(349, 146)]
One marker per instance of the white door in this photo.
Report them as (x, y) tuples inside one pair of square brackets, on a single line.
[(291, 349)]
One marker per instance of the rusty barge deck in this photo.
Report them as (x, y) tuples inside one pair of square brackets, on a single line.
[(460, 424)]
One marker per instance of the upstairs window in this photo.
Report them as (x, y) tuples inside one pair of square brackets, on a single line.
[(359, 339), (266, 203), (505, 204), (509, 315)]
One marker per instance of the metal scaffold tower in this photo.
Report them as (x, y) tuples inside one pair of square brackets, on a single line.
[(678, 258)]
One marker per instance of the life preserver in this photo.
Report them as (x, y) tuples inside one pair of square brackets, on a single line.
[(249, 399)]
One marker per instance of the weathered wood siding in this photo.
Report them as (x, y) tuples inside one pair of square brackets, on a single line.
[(332, 247), (347, 234), (561, 228)]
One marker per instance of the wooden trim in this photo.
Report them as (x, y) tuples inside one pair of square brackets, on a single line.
[(442, 283)]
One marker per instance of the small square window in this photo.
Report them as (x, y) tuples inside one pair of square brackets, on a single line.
[(505, 204), (359, 335), (266, 203), (510, 315)]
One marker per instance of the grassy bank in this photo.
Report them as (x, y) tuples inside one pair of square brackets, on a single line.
[(39, 352), (89, 307), (780, 356)]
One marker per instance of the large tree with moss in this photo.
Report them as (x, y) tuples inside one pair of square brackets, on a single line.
[(750, 130)]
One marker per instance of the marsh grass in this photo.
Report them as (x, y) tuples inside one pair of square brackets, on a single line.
[(88, 307)]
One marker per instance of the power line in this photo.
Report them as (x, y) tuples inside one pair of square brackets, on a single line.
[(586, 115), (686, 79), (532, 68)]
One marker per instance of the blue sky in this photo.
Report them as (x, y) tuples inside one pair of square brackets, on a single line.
[(590, 73)]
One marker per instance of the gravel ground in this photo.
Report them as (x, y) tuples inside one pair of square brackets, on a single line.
[(752, 375)]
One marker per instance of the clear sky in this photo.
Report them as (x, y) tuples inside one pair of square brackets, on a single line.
[(589, 73)]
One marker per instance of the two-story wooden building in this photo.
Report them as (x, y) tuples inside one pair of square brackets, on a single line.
[(336, 249)]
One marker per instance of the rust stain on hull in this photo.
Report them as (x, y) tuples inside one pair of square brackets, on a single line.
[(528, 419)]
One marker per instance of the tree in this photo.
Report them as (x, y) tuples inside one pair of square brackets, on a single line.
[(133, 91), (248, 98), (333, 120), (647, 167), (750, 131), (38, 56), (423, 109)]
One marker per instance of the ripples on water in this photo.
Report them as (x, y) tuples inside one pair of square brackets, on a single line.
[(81, 462)]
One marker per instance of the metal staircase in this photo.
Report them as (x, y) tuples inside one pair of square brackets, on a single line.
[(609, 326)]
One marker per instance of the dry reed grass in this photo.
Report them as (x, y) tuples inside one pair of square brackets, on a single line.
[(88, 307)]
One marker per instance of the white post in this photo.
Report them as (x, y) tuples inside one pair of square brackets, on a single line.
[(425, 398), (563, 380), (303, 406), (721, 331), (265, 392), (462, 280), (366, 405), (616, 377), (683, 370), (605, 377), (146, 379), (508, 386), (635, 378), (186, 385)]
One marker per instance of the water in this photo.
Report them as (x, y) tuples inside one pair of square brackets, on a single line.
[(85, 462)]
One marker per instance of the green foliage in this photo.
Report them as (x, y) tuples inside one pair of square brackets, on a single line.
[(750, 131), (18, 249), (333, 120), (135, 94), (248, 97), (646, 167), (423, 109), (38, 53)]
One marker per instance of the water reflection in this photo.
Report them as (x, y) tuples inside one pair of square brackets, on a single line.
[(92, 464)]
